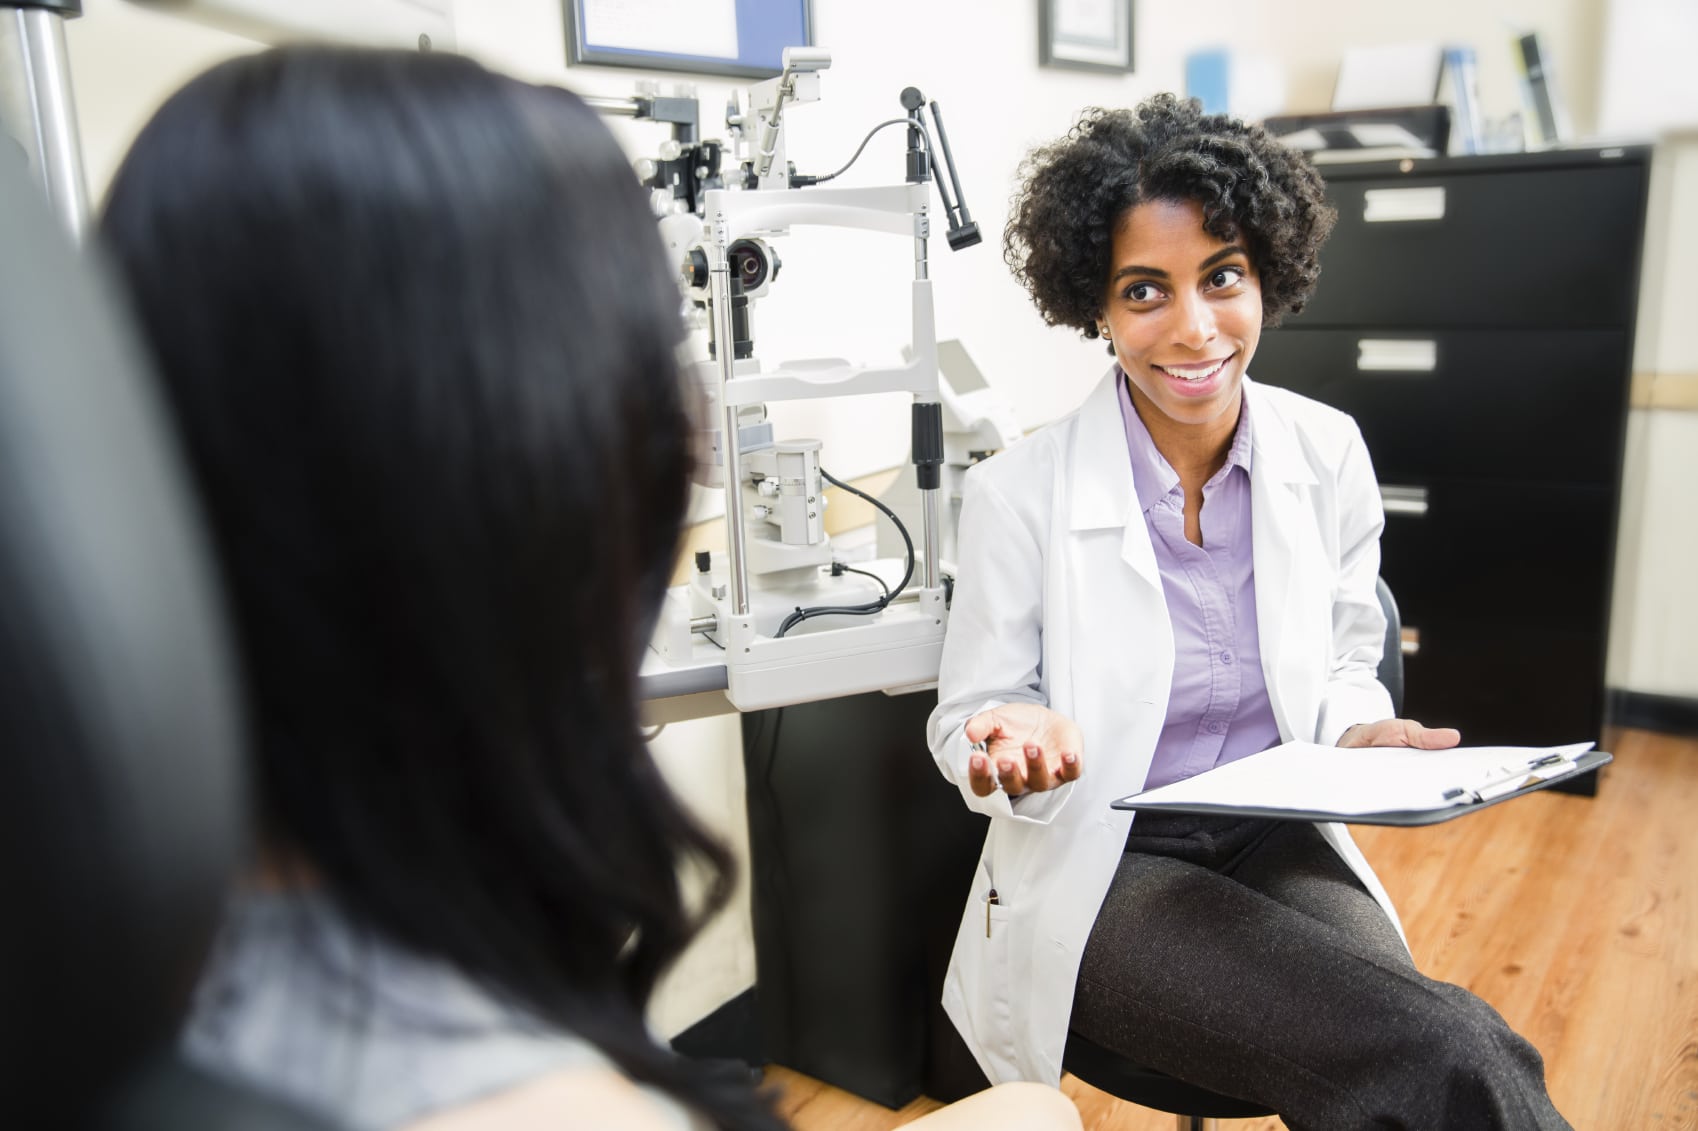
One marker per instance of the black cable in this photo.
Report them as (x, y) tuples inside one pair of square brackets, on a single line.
[(805, 181), (888, 513), (839, 567), (870, 607)]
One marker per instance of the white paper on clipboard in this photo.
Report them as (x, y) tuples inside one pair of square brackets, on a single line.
[(1306, 777)]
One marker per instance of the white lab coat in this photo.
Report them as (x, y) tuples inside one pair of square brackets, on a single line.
[(1059, 602)]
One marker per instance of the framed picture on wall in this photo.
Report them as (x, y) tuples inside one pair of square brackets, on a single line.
[(739, 38), (1086, 35)]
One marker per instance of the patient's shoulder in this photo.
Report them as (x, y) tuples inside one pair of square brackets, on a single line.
[(584, 1098), (1017, 1106)]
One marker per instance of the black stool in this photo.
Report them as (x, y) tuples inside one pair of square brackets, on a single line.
[(1110, 1072)]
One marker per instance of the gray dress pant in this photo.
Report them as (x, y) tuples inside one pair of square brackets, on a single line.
[(1245, 957)]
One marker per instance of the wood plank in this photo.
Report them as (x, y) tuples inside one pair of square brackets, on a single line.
[(1576, 917)]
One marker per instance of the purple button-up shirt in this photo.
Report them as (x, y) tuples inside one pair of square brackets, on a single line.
[(1218, 708)]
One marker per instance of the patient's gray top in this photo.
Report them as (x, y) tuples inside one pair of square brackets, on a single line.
[(297, 1004)]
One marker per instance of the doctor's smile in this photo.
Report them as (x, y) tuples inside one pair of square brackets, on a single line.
[(1191, 374)]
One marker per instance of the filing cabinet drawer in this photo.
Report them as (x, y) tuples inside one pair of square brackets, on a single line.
[(1513, 557), (1540, 406), (1488, 684), (1512, 249)]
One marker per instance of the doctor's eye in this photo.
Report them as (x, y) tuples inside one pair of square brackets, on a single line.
[(1225, 278), (1141, 292)]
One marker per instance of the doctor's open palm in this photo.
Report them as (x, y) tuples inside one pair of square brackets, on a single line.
[(1028, 749)]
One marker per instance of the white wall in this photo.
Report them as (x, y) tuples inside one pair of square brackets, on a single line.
[(1654, 613), (1649, 86), (1648, 83), (978, 58)]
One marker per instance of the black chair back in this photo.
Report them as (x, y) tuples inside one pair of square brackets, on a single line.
[(122, 818), (1391, 659)]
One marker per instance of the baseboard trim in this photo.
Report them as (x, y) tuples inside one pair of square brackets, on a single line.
[(1641, 710), (731, 1032)]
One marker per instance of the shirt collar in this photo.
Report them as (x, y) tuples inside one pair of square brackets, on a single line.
[(1152, 476)]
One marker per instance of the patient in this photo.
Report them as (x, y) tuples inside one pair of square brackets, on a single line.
[(418, 335)]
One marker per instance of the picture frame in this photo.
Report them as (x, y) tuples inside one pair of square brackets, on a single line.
[(1086, 35), (732, 38)]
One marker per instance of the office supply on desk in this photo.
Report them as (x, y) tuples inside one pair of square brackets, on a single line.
[(1397, 74), (1235, 82), (1369, 785), (1362, 135), (1459, 88), (1546, 115)]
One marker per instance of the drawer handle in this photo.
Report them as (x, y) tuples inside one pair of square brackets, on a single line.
[(1411, 501), (1411, 641), (1403, 205), (1396, 355)]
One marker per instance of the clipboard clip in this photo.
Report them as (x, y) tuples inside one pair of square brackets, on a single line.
[(1539, 769)]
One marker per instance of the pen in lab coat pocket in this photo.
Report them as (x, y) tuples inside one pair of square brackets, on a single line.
[(989, 899)]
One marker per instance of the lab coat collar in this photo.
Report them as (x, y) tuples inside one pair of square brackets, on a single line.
[(1103, 493), (1282, 541), (1276, 453)]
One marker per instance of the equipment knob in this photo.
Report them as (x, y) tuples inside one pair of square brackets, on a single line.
[(695, 269)]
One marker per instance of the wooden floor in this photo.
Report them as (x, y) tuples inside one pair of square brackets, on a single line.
[(1574, 916)]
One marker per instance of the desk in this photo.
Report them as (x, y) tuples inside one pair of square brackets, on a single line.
[(862, 860), (861, 857), (674, 693)]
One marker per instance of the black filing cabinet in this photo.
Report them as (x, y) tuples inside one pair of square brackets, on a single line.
[(1475, 315)]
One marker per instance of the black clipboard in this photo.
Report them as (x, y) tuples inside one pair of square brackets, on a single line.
[(1582, 764)]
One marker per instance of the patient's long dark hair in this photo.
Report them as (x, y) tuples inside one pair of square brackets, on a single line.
[(415, 324)]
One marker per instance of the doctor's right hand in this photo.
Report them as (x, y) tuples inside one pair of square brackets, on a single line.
[(1027, 749)]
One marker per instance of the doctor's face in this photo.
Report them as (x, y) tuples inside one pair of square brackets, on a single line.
[(1183, 311)]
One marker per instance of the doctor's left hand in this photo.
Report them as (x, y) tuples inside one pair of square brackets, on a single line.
[(1029, 749), (1400, 732)]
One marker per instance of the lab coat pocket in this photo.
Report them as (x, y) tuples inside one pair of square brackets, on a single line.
[(985, 955), (997, 915)]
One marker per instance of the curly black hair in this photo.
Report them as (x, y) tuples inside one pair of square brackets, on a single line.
[(1073, 192)]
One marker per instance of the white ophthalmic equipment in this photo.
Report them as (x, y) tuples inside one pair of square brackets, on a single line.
[(813, 627)]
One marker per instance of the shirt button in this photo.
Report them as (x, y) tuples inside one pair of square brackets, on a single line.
[(1226, 657), (1214, 728)]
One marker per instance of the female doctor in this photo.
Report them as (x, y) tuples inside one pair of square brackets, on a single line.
[(1181, 573)]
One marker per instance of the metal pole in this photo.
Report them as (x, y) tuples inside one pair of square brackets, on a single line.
[(725, 354), (932, 533), (39, 110), (928, 500), (612, 107)]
